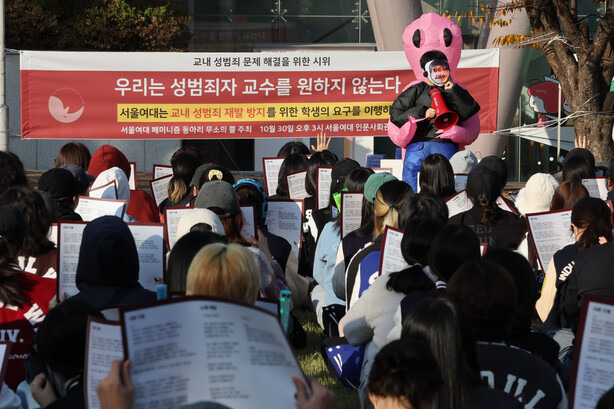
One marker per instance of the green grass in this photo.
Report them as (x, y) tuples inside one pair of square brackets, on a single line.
[(313, 364)]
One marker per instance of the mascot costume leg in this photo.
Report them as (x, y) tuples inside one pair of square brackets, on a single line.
[(433, 46)]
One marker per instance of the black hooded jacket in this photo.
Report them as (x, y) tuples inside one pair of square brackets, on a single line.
[(108, 268)]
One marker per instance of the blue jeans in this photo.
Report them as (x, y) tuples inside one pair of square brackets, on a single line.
[(415, 154)]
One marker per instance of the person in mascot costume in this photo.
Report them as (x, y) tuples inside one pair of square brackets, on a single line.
[(432, 45)]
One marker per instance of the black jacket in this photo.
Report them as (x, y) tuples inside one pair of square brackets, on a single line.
[(415, 100)]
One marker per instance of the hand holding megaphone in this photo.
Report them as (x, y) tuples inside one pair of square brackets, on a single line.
[(444, 118)]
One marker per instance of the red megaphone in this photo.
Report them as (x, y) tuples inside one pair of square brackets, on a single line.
[(445, 118)]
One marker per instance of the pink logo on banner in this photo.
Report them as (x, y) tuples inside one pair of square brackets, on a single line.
[(62, 102)]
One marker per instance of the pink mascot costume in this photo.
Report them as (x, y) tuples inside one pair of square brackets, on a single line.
[(433, 47)]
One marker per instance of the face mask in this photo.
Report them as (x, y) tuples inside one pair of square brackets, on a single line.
[(438, 72)]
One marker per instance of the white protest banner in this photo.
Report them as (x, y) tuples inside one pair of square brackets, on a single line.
[(323, 181), (597, 187), (458, 203), (550, 232), (104, 345), (172, 215), (249, 362), (285, 219), (149, 240), (391, 257), (140, 95), (295, 183), (90, 208), (159, 171), (593, 369), (351, 212), (159, 188), (249, 222), (270, 167), (69, 245)]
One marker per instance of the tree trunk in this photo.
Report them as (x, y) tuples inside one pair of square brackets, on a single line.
[(599, 130)]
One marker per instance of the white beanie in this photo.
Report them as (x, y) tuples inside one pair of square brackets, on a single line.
[(536, 195), (463, 162), (196, 216)]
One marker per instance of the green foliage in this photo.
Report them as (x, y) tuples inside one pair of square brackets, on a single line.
[(103, 25)]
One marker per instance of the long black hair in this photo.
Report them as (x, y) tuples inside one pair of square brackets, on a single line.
[(440, 324), (437, 176)]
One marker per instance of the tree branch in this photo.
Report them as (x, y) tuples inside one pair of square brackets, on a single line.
[(604, 34)]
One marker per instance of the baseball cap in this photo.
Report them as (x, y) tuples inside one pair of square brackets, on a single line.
[(218, 194), (82, 178), (59, 183), (374, 182), (196, 216)]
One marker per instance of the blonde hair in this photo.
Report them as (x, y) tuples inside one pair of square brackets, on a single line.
[(386, 214), (224, 270)]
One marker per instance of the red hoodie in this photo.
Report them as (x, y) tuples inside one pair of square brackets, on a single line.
[(142, 206)]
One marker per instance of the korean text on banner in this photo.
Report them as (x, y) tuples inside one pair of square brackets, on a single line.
[(227, 95)]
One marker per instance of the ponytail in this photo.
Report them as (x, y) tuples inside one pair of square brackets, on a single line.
[(596, 228), (177, 189)]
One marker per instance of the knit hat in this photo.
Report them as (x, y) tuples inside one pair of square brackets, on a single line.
[(106, 157), (82, 177), (374, 182), (537, 194), (463, 162), (497, 165), (197, 216), (483, 186), (59, 183), (341, 169), (12, 227), (218, 194)]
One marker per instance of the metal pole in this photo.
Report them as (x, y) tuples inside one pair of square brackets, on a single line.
[(4, 110), (558, 128)]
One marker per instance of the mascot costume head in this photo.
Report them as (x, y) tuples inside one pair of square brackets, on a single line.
[(429, 42), (431, 32)]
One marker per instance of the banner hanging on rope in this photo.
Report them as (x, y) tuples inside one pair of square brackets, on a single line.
[(87, 95)]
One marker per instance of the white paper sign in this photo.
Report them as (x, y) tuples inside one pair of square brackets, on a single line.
[(391, 258), (597, 187), (351, 212), (107, 191), (234, 355), (53, 234), (172, 215), (104, 345), (323, 181), (550, 232), (159, 188), (458, 203), (159, 171), (395, 164), (271, 172), (90, 208), (149, 240), (285, 219), (595, 364), (460, 181), (249, 222), (296, 185), (69, 245), (132, 178)]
